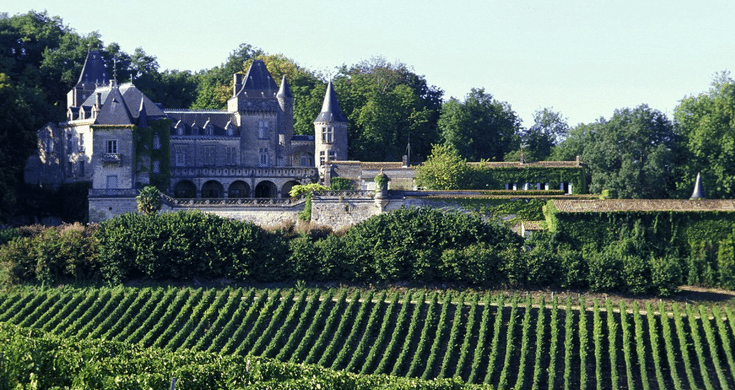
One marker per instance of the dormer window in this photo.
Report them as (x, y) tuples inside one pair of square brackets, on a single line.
[(208, 128), (230, 129), (179, 128)]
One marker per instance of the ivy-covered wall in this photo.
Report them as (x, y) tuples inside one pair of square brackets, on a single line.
[(495, 177), (146, 154)]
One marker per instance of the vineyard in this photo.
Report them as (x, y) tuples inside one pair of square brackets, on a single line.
[(507, 342)]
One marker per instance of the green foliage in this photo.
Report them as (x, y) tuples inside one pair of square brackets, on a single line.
[(341, 184), (149, 200), (443, 170), (183, 245), (381, 182), (480, 128), (308, 190), (632, 155), (8, 234), (54, 254), (706, 123), (387, 106), (407, 244)]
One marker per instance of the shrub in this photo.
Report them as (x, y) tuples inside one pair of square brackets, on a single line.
[(186, 244), (604, 270), (407, 244), (477, 264), (666, 274), (51, 255)]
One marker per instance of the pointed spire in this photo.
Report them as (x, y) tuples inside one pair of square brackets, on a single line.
[(698, 192), (258, 81), (94, 72), (285, 90), (330, 108)]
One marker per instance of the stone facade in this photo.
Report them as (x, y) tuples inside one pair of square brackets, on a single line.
[(120, 141)]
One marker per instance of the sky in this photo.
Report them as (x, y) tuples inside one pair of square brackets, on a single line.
[(582, 58)]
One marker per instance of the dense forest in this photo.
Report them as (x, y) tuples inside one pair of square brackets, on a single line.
[(637, 152)]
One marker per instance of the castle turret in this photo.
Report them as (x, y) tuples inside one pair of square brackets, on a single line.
[(285, 122), (93, 75), (330, 130)]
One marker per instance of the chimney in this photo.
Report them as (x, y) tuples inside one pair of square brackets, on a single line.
[(237, 78)]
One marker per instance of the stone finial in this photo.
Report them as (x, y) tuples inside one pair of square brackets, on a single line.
[(698, 192)]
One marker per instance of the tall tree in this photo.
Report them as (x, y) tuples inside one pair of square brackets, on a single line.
[(387, 106), (215, 85), (480, 127), (38, 55), (631, 155), (706, 123), (549, 129)]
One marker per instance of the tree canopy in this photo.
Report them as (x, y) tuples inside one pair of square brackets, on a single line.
[(481, 127), (631, 155), (387, 106), (706, 123)]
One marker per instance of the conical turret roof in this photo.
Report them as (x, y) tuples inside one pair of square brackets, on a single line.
[(698, 192), (330, 108), (285, 90)]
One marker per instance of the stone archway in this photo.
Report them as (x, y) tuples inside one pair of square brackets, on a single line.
[(238, 189), (185, 189), (212, 189), (266, 189), (287, 188)]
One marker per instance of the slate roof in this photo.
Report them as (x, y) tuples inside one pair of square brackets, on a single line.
[(94, 71), (621, 205), (200, 118), (128, 97), (330, 108), (114, 111), (258, 82), (285, 90)]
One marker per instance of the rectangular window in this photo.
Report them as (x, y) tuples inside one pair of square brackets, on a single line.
[(305, 161), (209, 157), (81, 167), (328, 135), (156, 142), (322, 158), (180, 156), (112, 181), (332, 156), (263, 129), (231, 155), (69, 145), (156, 167), (81, 143), (111, 146), (263, 157)]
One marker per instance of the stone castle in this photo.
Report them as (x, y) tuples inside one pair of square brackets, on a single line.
[(119, 140), (240, 162)]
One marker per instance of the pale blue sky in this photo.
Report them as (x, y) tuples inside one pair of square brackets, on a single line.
[(583, 58)]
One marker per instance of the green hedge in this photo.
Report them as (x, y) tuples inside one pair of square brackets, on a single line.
[(692, 244)]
